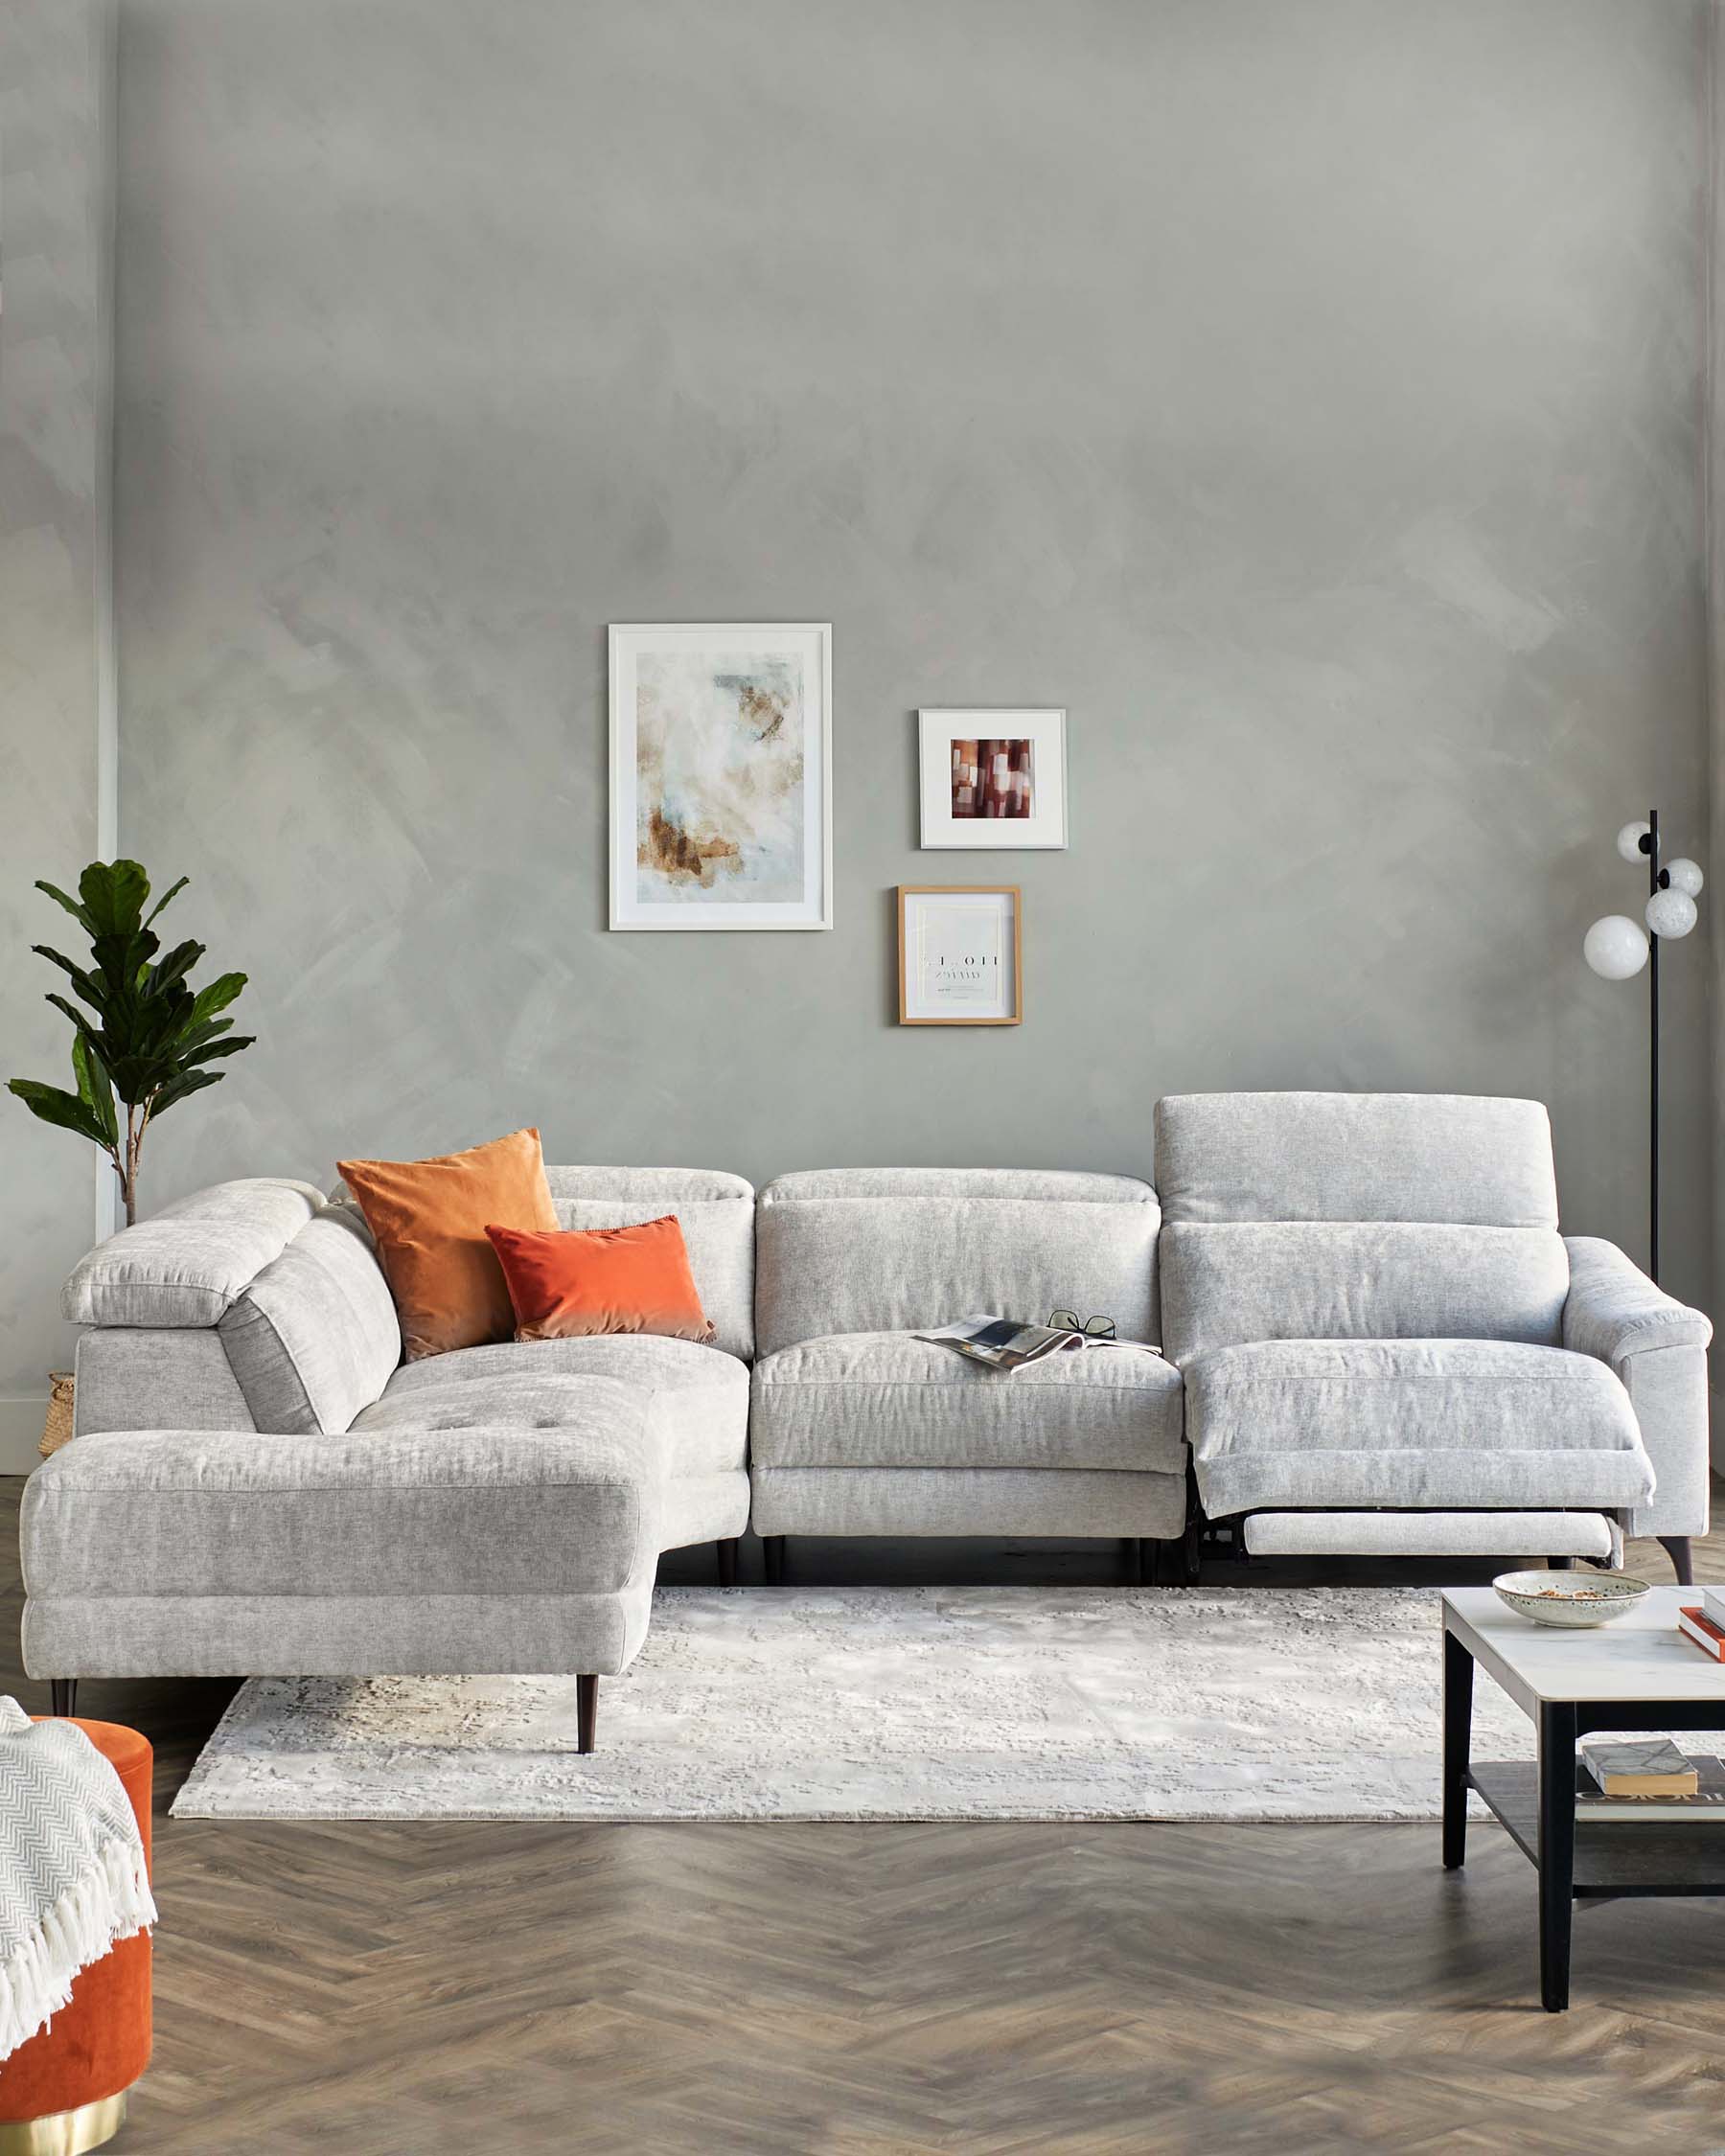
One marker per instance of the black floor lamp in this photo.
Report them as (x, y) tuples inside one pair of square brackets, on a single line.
[(1618, 948)]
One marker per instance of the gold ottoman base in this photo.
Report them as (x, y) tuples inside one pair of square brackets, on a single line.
[(64, 2133)]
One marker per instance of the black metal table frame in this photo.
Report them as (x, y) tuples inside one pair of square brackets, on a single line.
[(1559, 1725)]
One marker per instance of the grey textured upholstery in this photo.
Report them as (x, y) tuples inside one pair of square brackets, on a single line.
[(496, 1508), (891, 1400), (899, 1250), (1449, 1423), (314, 1336), (966, 1501), (1458, 1158), (133, 1377), (1373, 1307), (1303, 1280), (1431, 1534), (1658, 1347), (186, 1264), (1296, 1215), (699, 1395)]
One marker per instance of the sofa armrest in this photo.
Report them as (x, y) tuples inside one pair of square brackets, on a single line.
[(1658, 1347)]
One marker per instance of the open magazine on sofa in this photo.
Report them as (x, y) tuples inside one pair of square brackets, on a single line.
[(1007, 1344)]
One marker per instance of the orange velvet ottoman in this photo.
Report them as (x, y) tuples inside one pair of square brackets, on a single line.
[(65, 2090)]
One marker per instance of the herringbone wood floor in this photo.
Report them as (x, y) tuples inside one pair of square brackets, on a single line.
[(887, 1990)]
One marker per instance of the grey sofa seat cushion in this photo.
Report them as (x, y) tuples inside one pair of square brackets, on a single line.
[(877, 1249), (966, 1501), (1253, 1280), (490, 1509), (187, 1263), (313, 1338), (885, 1399), (1459, 1423), (1456, 1158), (697, 1397)]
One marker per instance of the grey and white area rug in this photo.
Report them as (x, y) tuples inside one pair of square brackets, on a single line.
[(909, 1704)]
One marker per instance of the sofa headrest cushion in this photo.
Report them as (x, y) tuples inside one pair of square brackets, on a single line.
[(186, 1265)]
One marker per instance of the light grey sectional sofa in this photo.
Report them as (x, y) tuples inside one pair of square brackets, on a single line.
[(857, 1428), (1376, 1340), (255, 1485)]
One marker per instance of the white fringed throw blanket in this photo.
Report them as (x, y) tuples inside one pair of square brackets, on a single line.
[(73, 1881)]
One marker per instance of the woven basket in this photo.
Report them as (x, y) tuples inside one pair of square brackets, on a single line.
[(57, 1431)]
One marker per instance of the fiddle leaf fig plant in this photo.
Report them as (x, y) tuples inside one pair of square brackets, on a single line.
[(141, 1035)]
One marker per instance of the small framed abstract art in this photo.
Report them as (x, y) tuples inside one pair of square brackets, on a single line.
[(960, 954), (721, 776), (994, 779)]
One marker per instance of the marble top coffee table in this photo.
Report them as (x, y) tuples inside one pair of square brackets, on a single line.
[(1636, 1673)]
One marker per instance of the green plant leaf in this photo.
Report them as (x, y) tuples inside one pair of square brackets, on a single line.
[(113, 893), (218, 1049), (176, 1089), (169, 971), (172, 891), (218, 995), (56, 1105), (95, 1088), (71, 905)]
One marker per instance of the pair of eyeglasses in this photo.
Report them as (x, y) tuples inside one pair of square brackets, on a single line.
[(1093, 1329)]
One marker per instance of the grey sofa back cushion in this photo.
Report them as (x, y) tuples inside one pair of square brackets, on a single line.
[(1224, 1286), (315, 1337), (895, 1249), (716, 1212), (1450, 1157), (186, 1264), (1357, 1216)]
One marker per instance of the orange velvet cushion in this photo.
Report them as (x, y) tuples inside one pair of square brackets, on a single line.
[(601, 1281), (100, 2043), (429, 1217)]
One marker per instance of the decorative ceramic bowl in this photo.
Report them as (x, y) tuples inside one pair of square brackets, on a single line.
[(1575, 1599)]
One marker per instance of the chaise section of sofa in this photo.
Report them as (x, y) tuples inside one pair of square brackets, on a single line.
[(858, 1427), (257, 1484)]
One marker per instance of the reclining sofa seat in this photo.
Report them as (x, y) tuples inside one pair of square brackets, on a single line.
[(857, 1428), (258, 1485), (1386, 1345)]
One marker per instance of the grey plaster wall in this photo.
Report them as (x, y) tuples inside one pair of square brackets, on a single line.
[(1308, 396), (55, 168)]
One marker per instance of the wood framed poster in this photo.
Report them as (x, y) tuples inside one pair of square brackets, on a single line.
[(994, 780), (960, 954), (721, 776)]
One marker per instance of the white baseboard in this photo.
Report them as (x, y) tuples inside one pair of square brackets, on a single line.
[(20, 1433)]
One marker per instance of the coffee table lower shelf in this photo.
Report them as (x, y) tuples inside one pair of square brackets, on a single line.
[(1613, 1857)]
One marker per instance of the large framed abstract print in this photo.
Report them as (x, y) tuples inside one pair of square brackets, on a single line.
[(721, 776)]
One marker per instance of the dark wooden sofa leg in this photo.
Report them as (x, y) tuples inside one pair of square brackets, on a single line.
[(62, 1695), (1560, 1564), (727, 1561), (586, 1709), (772, 1549), (1677, 1549)]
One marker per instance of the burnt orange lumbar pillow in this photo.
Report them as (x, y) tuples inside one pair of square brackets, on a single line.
[(601, 1281), (429, 1217)]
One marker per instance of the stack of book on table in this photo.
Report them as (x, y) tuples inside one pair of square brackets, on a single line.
[(1647, 1778), (1705, 1623)]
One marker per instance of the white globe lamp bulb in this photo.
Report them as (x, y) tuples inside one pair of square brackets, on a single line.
[(1630, 840), (1671, 914), (1615, 947), (1687, 878)]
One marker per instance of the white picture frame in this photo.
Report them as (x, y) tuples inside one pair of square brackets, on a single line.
[(986, 823), (961, 955), (697, 840)]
